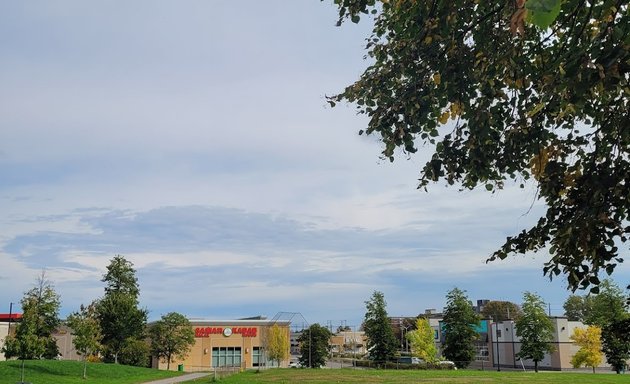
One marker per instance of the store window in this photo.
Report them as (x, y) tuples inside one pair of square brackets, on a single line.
[(257, 357), (226, 357)]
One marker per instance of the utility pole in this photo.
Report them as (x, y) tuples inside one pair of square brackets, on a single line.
[(496, 333), (10, 316)]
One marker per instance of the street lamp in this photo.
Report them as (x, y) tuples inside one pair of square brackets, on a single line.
[(10, 316), (496, 334), (405, 335)]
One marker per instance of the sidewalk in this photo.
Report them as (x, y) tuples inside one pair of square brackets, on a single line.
[(179, 379)]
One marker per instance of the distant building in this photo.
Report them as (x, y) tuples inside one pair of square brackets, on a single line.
[(63, 336), (7, 324), (227, 344), (349, 343), (504, 346)]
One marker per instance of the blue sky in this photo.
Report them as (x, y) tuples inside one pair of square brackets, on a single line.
[(193, 138)]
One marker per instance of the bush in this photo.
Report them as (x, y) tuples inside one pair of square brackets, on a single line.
[(397, 365), (135, 352)]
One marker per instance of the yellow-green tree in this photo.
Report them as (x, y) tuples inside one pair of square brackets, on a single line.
[(277, 343), (422, 341), (589, 341)]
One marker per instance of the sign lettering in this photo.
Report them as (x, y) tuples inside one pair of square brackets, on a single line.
[(243, 331)]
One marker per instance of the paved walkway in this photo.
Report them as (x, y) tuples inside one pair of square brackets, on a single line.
[(179, 379)]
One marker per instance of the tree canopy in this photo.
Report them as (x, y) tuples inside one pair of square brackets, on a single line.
[(121, 277), (600, 309), (381, 342), (501, 100), (122, 322), (422, 341), (501, 311), (171, 336), (278, 343), (87, 333), (459, 328), (33, 336), (590, 343), (535, 329), (616, 343), (314, 346)]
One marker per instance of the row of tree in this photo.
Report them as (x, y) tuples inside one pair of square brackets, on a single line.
[(112, 328), (606, 315)]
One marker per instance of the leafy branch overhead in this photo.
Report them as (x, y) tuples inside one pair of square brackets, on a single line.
[(511, 91)]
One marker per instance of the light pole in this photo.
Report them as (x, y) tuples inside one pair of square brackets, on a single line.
[(496, 333), (406, 341), (10, 316)]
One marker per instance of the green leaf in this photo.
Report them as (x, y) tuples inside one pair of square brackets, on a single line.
[(542, 13)]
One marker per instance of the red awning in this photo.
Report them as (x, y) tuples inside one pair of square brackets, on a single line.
[(13, 316)]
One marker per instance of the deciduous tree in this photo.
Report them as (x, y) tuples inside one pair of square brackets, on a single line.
[(87, 333), (33, 335), (606, 306), (616, 343), (277, 343), (460, 321), (422, 341), (590, 343), (381, 342), (171, 336), (117, 311), (314, 346), (501, 311), (577, 307), (500, 101), (535, 329), (121, 277)]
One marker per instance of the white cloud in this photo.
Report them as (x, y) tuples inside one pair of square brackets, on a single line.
[(199, 146)]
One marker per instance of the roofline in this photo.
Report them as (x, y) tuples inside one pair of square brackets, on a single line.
[(223, 322)]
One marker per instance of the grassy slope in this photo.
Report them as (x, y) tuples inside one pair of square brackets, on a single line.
[(70, 372), (327, 376)]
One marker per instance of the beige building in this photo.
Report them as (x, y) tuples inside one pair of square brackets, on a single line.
[(504, 346), (63, 336), (4, 332), (349, 343), (7, 324), (228, 344)]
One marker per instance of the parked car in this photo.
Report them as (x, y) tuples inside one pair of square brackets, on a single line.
[(410, 360), (447, 363), (295, 364)]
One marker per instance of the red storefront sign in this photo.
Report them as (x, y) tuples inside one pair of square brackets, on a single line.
[(243, 331)]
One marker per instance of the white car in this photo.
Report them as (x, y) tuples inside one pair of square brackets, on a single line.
[(447, 363), (295, 364)]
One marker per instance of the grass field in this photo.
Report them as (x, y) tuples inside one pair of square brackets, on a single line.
[(331, 376), (70, 372)]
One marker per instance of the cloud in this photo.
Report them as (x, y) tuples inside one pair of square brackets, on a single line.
[(252, 260), (194, 139)]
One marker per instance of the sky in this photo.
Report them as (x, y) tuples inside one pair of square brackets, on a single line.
[(194, 139)]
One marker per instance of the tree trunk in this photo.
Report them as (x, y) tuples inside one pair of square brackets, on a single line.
[(593, 369), (535, 366), (168, 362), (84, 367), (22, 379)]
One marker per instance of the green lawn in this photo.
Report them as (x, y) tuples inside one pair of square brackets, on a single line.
[(327, 376), (70, 372)]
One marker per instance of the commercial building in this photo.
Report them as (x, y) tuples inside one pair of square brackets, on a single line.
[(7, 324), (64, 338), (349, 343), (229, 344), (505, 345)]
